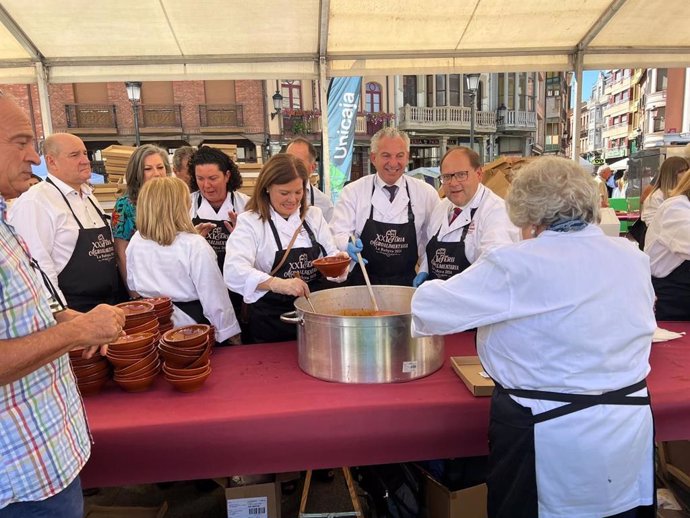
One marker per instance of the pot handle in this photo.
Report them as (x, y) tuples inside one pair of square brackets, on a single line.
[(291, 318)]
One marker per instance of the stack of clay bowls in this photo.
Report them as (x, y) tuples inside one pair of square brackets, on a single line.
[(163, 308), (136, 362), (140, 317), (185, 351), (91, 374)]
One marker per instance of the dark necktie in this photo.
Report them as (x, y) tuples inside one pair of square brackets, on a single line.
[(456, 212), (392, 191)]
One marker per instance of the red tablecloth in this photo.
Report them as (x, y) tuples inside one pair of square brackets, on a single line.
[(258, 413)]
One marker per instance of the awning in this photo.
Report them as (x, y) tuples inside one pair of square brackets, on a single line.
[(619, 165)]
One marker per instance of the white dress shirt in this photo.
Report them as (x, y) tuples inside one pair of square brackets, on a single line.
[(44, 220), (490, 226), (206, 211), (184, 271), (651, 205), (356, 199), (251, 248), (321, 201), (667, 242), (540, 308)]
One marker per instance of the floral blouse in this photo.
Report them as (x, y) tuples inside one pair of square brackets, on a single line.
[(124, 218)]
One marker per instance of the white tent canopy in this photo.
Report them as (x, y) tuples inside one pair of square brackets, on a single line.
[(619, 165), (82, 40)]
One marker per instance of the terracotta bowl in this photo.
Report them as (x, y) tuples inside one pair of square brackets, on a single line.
[(188, 336), (187, 372), (138, 384), (78, 361), (137, 353), (131, 341), (202, 359), (92, 388), (136, 308), (187, 351), (158, 303), (189, 384), (332, 266), (93, 377), (120, 362), (148, 327), (146, 361), (177, 360), (94, 368), (144, 372)]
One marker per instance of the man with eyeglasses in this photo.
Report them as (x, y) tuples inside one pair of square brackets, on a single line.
[(387, 212), (45, 440), (470, 221)]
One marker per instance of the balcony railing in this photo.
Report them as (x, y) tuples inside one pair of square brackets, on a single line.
[(518, 119), (91, 116), (221, 115), (444, 118), (160, 116)]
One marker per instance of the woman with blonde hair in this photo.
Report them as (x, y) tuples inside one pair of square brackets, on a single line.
[(147, 161), (669, 173), (270, 252), (571, 431), (668, 245), (166, 257)]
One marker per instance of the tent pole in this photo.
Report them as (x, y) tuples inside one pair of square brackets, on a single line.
[(325, 149), (44, 99), (576, 109)]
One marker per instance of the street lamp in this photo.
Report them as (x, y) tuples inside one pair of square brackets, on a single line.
[(134, 96), (472, 85), (278, 107)]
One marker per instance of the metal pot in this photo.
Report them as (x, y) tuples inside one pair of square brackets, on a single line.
[(369, 349)]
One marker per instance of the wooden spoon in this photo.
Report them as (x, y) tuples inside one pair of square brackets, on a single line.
[(366, 275), (296, 275)]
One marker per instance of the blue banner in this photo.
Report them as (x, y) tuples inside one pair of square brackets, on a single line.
[(343, 100)]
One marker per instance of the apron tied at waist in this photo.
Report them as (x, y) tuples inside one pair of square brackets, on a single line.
[(194, 310), (577, 402)]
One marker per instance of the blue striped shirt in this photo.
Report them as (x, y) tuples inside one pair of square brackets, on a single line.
[(44, 441)]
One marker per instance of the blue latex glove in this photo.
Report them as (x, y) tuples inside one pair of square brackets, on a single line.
[(354, 249), (419, 279)]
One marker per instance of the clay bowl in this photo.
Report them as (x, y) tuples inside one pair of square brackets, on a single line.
[(187, 372), (158, 303), (144, 362), (177, 360), (136, 312), (202, 359), (91, 388), (131, 341), (152, 368), (78, 361), (88, 370), (120, 362), (332, 266), (189, 384), (137, 384), (137, 353), (186, 351), (148, 327), (94, 377), (188, 336)]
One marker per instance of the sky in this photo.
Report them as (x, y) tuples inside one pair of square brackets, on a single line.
[(589, 77)]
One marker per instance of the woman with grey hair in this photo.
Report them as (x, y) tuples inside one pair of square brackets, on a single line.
[(571, 430)]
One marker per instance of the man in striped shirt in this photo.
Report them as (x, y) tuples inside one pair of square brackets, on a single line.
[(44, 441)]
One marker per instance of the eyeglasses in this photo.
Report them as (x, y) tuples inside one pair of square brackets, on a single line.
[(460, 176)]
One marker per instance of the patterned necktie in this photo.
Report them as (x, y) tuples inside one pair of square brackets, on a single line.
[(392, 191), (456, 212)]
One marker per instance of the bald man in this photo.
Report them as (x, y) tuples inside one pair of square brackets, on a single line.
[(65, 227)]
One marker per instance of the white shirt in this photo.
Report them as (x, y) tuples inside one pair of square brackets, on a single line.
[(542, 309), (184, 271), (321, 201), (651, 205), (490, 226), (251, 248), (46, 223), (206, 211), (356, 200), (667, 242)]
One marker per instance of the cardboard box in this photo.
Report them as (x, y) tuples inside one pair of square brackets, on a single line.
[(472, 374), (255, 501), (464, 503), (609, 222), (103, 511)]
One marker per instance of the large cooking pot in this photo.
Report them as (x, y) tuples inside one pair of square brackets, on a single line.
[(362, 349)]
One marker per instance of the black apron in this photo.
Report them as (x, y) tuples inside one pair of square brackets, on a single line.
[(218, 236), (264, 315), (90, 276), (193, 309), (445, 259), (673, 294), (512, 479), (390, 248)]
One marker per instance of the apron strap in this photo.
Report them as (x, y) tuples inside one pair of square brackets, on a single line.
[(313, 239), (280, 246), (577, 402), (81, 227)]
